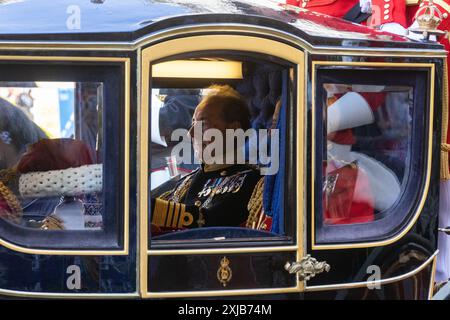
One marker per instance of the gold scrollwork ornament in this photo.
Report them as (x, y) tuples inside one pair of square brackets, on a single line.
[(307, 268), (224, 274)]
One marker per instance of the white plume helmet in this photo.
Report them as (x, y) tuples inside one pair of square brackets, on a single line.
[(349, 111)]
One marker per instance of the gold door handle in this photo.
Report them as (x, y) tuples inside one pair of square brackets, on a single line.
[(307, 267)]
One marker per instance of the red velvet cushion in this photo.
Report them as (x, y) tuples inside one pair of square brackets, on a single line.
[(55, 154)]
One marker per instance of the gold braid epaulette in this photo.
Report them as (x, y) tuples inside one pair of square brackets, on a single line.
[(165, 195), (255, 206), (12, 202), (179, 192)]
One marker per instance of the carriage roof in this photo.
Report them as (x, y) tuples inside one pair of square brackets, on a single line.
[(128, 21)]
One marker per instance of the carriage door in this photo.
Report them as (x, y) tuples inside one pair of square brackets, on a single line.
[(211, 228), (64, 177), (374, 181)]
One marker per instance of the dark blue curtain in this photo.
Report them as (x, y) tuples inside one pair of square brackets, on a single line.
[(274, 186)]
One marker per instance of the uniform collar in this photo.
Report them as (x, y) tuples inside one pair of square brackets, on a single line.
[(215, 167)]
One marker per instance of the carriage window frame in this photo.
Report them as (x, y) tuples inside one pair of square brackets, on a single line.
[(290, 213), (398, 219), (113, 74), (244, 42)]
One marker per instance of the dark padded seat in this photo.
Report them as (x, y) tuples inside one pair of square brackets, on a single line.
[(262, 89), (215, 232)]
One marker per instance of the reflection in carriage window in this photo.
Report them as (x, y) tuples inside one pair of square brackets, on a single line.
[(367, 149), (217, 160), (50, 159)]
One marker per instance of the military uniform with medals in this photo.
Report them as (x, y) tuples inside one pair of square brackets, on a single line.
[(211, 196), (389, 11)]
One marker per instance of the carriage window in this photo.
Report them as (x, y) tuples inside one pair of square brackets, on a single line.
[(50, 159), (372, 128), (217, 153), (367, 150)]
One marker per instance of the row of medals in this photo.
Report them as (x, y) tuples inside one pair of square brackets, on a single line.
[(224, 185)]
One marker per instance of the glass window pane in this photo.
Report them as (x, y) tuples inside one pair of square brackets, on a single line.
[(367, 150), (51, 155), (217, 158)]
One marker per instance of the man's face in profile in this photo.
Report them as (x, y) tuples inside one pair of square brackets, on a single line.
[(207, 117)]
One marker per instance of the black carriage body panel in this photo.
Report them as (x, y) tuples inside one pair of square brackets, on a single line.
[(23, 274), (201, 272), (416, 287), (406, 288)]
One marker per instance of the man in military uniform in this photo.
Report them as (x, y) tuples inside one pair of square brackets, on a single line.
[(218, 193), (387, 15)]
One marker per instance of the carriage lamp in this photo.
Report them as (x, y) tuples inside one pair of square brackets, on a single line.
[(429, 17), (198, 69)]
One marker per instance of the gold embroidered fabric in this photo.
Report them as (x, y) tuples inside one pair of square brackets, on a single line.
[(179, 192), (255, 205), (12, 202), (52, 222), (10, 178)]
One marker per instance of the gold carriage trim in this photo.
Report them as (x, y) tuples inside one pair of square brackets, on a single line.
[(445, 148)]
